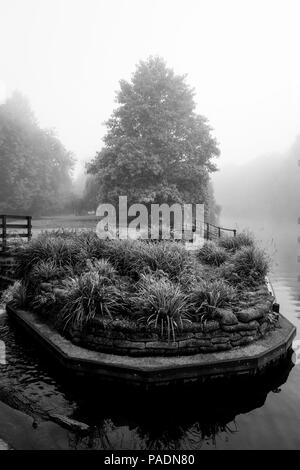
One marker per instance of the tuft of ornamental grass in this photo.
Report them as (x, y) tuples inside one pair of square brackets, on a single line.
[(15, 295), (248, 267), (127, 256), (44, 303), (170, 257), (160, 304), (233, 244), (45, 271), (103, 268), (89, 296), (212, 254), (191, 275), (62, 251), (134, 257), (208, 296), (86, 240), (92, 245)]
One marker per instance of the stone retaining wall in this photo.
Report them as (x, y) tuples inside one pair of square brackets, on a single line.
[(234, 327), (229, 332)]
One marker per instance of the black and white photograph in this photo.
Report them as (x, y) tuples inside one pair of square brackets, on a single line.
[(149, 228)]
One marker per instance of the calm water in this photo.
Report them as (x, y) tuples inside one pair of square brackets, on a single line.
[(257, 414)]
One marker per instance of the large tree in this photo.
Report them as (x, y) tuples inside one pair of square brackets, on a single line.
[(157, 148), (34, 165)]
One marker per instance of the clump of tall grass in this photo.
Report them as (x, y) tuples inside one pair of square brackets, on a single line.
[(103, 268), (134, 257), (15, 295), (62, 251), (43, 302), (191, 275), (170, 257), (45, 271), (248, 267), (161, 304), (89, 296), (208, 296), (127, 256), (235, 243), (87, 241), (212, 254), (92, 245)]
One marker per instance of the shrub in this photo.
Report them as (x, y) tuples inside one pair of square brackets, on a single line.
[(209, 296), (248, 266), (212, 254), (15, 295), (161, 304), (235, 243), (87, 297)]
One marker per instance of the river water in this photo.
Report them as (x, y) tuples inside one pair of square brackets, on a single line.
[(251, 414)]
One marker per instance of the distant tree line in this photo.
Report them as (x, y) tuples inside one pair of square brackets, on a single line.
[(34, 165)]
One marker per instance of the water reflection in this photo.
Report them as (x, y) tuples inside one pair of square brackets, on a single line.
[(185, 417), (177, 417), (259, 413)]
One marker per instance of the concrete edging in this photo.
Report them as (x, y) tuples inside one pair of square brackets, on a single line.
[(245, 360)]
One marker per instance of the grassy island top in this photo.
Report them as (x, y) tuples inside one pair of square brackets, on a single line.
[(72, 279)]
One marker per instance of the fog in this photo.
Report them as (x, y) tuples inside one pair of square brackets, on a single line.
[(67, 57), (266, 189)]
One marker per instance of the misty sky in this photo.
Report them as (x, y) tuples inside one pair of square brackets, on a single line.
[(241, 56)]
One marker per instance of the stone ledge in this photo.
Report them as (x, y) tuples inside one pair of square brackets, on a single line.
[(246, 360)]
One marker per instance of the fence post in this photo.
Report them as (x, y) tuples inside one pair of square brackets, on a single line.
[(29, 227), (219, 232), (207, 231), (4, 239), (234, 233)]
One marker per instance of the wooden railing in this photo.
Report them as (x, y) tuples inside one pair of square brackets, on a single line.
[(10, 230), (212, 232)]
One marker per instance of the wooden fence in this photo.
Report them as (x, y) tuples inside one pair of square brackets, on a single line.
[(10, 226)]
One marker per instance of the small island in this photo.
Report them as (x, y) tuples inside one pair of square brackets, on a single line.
[(146, 298)]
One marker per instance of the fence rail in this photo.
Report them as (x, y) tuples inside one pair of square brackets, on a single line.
[(212, 232), (6, 229)]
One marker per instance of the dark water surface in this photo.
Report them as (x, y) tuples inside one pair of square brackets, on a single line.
[(251, 414)]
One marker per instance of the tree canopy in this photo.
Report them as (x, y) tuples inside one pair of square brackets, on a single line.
[(157, 148), (35, 167)]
